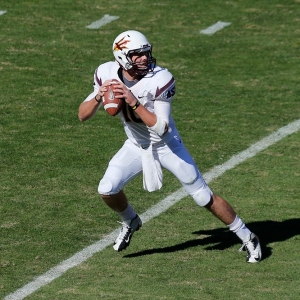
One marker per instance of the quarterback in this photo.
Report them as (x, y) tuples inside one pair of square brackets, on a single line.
[(153, 141)]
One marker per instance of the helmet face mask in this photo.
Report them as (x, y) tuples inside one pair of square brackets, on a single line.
[(130, 43), (141, 68)]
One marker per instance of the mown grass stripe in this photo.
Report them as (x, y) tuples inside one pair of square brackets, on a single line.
[(154, 211)]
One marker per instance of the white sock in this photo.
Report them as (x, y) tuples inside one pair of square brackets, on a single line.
[(128, 213), (240, 229)]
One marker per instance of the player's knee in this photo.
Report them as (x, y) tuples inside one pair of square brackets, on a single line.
[(105, 186), (202, 197), (111, 183)]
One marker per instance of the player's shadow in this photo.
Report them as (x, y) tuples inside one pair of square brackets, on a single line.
[(221, 238)]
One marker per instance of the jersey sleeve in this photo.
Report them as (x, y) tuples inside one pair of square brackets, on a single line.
[(102, 73), (164, 92), (97, 83), (165, 89)]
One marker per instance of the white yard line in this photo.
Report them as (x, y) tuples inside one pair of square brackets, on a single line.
[(154, 211), (214, 28), (2, 12), (105, 20)]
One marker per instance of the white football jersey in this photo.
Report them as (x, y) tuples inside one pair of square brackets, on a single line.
[(155, 91)]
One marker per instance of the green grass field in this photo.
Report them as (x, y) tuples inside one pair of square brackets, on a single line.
[(233, 89)]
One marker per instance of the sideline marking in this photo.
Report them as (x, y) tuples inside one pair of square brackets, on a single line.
[(214, 28), (154, 211), (105, 20), (2, 12)]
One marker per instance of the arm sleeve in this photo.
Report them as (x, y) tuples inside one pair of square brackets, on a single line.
[(162, 109)]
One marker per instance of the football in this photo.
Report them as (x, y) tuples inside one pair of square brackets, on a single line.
[(111, 104)]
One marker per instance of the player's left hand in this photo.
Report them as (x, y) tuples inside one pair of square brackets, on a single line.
[(125, 93)]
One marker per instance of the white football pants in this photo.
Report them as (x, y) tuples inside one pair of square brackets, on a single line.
[(126, 164)]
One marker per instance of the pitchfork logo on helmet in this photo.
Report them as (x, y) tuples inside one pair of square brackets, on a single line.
[(128, 43), (120, 45)]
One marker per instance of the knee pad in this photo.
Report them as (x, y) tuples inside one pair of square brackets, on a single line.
[(203, 196), (111, 183), (105, 186)]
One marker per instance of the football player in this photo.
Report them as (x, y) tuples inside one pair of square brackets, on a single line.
[(153, 141)]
